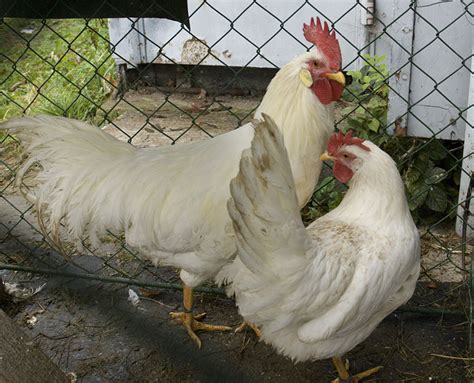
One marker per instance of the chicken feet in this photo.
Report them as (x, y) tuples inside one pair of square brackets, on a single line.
[(345, 376), (251, 325), (190, 321)]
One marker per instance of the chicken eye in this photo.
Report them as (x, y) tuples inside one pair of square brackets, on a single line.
[(316, 64)]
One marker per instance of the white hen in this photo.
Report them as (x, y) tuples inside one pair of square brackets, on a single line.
[(171, 201), (317, 292)]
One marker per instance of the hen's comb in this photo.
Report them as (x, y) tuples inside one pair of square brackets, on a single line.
[(339, 139), (325, 41)]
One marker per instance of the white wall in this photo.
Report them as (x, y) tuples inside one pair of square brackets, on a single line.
[(433, 111), (256, 28)]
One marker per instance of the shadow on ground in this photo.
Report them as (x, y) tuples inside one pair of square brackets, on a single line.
[(91, 329)]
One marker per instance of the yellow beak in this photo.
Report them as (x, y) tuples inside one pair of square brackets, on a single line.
[(339, 77), (326, 157)]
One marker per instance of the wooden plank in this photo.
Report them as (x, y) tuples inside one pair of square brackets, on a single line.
[(439, 86), (20, 360), (230, 48), (468, 162), (396, 44)]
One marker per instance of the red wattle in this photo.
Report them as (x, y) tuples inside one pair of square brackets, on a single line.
[(327, 91), (337, 90), (323, 91), (342, 172)]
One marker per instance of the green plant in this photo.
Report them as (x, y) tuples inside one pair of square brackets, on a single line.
[(367, 100), (431, 172), (430, 168), (327, 196), (58, 67), (364, 110)]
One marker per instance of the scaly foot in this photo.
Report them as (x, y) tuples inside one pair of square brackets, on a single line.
[(191, 324), (246, 324), (358, 377)]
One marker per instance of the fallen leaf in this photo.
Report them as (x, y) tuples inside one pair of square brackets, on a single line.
[(148, 293), (432, 285)]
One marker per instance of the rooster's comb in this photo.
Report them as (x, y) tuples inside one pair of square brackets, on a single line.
[(339, 139), (325, 41)]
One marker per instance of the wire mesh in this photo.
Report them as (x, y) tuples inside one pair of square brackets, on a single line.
[(73, 68)]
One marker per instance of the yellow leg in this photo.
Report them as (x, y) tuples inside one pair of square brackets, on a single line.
[(345, 376), (191, 322), (246, 324)]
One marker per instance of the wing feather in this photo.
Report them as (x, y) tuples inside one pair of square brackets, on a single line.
[(264, 207)]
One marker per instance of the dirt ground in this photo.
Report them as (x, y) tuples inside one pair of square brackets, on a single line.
[(91, 329), (152, 118)]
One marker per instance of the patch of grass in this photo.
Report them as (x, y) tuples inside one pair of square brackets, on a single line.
[(56, 67)]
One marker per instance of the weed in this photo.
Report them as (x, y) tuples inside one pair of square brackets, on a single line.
[(56, 67)]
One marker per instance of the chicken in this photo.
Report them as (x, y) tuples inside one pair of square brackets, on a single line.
[(171, 201), (316, 293)]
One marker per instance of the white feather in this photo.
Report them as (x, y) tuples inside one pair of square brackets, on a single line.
[(318, 292), (169, 201)]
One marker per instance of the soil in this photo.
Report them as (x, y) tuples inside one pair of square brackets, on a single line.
[(150, 118), (91, 329)]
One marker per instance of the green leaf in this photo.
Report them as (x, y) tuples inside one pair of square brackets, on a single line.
[(423, 163), (360, 112), (375, 102), (379, 59), (437, 199), (347, 110), (418, 194), (327, 184), (384, 69), (335, 199), (436, 150), (411, 177), (356, 75), (457, 178), (435, 175), (452, 191), (416, 216), (374, 125)]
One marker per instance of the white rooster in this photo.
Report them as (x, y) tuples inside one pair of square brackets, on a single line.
[(171, 201), (318, 292)]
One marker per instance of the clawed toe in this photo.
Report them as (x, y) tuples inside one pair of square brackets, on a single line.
[(191, 324), (246, 324)]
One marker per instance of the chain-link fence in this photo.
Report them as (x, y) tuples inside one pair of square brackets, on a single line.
[(155, 82)]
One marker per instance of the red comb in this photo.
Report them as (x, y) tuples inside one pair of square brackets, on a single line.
[(339, 139), (325, 41)]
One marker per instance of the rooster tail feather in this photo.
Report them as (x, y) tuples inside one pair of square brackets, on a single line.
[(73, 160)]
